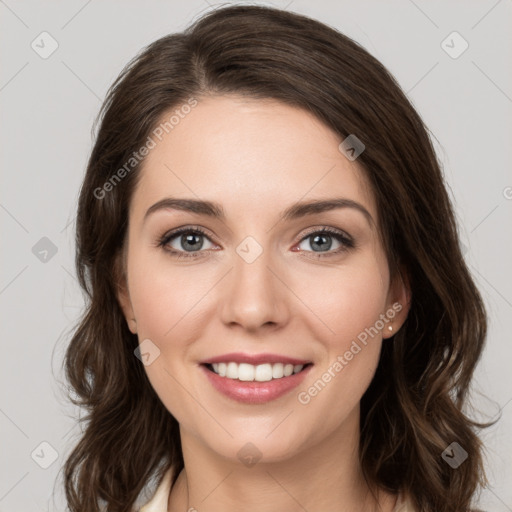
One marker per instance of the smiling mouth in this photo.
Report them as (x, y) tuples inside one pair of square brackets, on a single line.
[(246, 372)]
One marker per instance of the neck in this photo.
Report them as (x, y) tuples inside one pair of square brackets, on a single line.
[(325, 476)]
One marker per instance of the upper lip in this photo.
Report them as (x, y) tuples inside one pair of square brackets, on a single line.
[(254, 359)]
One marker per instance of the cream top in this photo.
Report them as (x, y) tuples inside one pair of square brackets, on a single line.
[(158, 503)]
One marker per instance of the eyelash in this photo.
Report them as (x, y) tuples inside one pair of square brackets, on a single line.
[(346, 242)]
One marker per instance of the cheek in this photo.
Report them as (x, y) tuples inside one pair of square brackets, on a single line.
[(348, 300), (335, 388), (163, 301), (163, 298), (351, 306)]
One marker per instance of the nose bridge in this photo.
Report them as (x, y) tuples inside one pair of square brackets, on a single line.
[(254, 296)]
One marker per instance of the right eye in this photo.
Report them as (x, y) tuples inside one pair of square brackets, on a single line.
[(187, 238)]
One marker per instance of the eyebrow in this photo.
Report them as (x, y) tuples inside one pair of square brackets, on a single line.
[(295, 211)]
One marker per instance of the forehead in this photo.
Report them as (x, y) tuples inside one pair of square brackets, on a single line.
[(248, 153)]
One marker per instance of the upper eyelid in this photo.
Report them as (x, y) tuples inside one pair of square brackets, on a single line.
[(328, 229)]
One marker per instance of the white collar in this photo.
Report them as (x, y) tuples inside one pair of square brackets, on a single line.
[(159, 501)]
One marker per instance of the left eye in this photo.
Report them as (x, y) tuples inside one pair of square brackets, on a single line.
[(321, 241)]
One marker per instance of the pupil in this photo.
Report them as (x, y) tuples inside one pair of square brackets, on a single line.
[(189, 239), (325, 245)]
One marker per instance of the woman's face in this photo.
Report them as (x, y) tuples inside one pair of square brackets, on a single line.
[(258, 286)]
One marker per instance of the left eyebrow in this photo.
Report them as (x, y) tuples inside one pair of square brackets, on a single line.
[(295, 211), (298, 210)]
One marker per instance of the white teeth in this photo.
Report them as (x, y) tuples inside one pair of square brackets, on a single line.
[(232, 371), (278, 370), (259, 373), (263, 372), (245, 372)]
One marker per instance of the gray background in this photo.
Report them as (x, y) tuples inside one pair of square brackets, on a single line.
[(48, 106)]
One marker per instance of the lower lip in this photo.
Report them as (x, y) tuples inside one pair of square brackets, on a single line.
[(253, 392)]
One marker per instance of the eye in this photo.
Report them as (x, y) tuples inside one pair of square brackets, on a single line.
[(321, 241), (189, 242)]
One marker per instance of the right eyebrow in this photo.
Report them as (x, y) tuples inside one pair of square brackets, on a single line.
[(208, 208)]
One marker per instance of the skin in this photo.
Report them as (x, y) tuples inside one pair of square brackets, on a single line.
[(257, 157)]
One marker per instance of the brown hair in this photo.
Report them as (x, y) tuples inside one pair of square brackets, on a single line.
[(412, 410)]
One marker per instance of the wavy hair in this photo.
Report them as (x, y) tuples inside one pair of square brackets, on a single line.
[(413, 409)]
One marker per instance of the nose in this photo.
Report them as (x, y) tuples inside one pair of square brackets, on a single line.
[(255, 294)]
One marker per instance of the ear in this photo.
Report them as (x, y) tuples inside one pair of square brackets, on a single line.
[(398, 302), (123, 295)]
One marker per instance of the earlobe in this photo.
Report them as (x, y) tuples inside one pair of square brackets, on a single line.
[(399, 302), (126, 306), (132, 325)]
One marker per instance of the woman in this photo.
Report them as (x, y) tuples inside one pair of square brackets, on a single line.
[(224, 352)]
